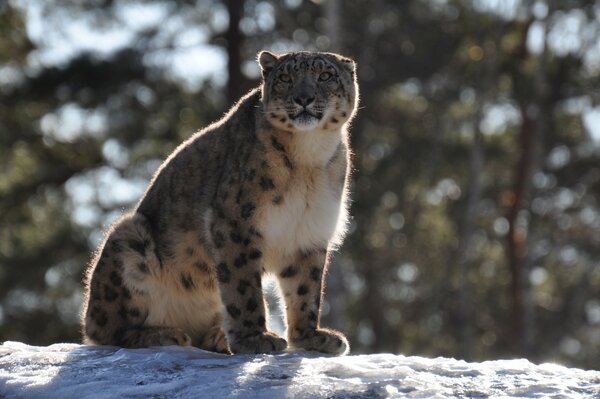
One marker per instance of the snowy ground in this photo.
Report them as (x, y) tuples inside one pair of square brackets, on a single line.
[(76, 371)]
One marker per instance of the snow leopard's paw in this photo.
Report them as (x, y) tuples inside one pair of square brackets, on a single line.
[(215, 340), (162, 336), (265, 342), (321, 340)]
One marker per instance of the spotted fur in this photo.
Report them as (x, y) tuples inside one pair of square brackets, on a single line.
[(261, 190)]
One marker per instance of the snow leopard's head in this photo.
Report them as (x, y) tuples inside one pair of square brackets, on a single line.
[(306, 91)]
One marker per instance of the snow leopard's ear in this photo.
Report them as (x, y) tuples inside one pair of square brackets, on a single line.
[(348, 64), (267, 62)]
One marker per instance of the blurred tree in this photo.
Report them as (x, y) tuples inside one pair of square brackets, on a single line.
[(235, 79)]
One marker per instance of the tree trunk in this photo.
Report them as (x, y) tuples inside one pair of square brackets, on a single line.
[(465, 251), (516, 239), (535, 112), (517, 235), (332, 13), (542, 126), (235, 81)]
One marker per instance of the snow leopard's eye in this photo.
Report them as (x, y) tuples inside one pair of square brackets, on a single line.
[(325, 76), (284, 77)]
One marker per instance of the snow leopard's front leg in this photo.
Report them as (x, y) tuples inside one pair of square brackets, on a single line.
[(238, 253), (302, 284)]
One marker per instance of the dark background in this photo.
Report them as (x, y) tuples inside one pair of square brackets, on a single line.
[(476, 222)]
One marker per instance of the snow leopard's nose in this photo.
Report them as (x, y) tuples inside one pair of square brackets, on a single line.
[(304, 93), (304, 99)]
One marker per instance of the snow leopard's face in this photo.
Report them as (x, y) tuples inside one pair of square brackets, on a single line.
[(308, 91)]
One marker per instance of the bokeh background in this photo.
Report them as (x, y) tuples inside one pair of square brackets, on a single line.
[(476, 215)]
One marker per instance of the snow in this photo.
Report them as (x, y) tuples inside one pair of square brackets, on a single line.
[(76, 371)]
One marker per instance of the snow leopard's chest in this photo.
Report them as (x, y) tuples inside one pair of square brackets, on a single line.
[(306, 216)]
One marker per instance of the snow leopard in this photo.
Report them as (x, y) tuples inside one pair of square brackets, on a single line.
[(264, 190)]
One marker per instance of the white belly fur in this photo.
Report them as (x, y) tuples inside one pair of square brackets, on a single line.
[(310, 216)]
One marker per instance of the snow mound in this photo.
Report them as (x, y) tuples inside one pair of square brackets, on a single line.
[(77, 371)]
